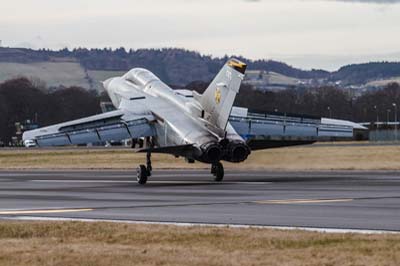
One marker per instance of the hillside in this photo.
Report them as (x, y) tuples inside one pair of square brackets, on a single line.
[(174, 66), (86, 67), (383, 82), (53, 73), (364, 73)]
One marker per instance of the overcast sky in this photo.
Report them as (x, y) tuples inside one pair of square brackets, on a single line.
[(305, 33)]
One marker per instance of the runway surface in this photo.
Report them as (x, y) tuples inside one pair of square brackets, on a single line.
[(343, 200)]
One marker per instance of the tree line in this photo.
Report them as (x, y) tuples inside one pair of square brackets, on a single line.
[(322, 102), (22, 99), (180, 66)]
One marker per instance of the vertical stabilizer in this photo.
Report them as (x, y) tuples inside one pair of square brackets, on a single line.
[(217, 100)]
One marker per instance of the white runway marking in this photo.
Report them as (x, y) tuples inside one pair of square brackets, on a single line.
[(301, 201), (16, 212), (311, 229)]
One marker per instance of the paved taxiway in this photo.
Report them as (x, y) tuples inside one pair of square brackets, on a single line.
[(345, 199)]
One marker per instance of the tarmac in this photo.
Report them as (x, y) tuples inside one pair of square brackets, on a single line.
[(343, 200)]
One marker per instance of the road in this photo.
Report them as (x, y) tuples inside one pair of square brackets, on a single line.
[(339, 199)]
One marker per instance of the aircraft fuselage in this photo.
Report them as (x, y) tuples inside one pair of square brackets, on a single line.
[(179, 117)]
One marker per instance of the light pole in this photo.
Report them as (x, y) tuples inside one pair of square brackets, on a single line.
[(377, 116), (395, 120), (387, 116), (330, 111)]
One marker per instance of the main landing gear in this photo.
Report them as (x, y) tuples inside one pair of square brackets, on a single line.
[(217, 169), (144, 171)]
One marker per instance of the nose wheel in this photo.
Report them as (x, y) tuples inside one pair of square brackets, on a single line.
[(217, 169), (144, 171)]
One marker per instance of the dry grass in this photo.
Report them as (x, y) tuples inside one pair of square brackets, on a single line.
[(53, 73), (314, 157), (75, 243), (82, 159), (328, 158), (384, 82)]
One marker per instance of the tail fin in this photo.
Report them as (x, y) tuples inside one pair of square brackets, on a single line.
[(217, 100)]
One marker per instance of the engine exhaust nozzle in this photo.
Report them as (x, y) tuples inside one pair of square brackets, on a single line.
[(211, 152), (237, 152)]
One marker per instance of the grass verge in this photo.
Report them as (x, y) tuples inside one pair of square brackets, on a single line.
[(76, 243), (314, 157)]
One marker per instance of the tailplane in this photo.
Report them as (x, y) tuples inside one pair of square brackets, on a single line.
[(217, 100)]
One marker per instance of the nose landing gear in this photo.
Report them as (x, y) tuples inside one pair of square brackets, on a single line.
[(217, 169)]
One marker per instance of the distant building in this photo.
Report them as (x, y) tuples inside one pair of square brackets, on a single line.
[(271, 81), (383, 131)]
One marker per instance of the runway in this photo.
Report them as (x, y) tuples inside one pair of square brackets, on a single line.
[(339, 200)]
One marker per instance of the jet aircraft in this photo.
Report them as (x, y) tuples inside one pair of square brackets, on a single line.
[(177, 122)]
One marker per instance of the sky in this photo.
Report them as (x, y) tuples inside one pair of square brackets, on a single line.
[(307, 34)]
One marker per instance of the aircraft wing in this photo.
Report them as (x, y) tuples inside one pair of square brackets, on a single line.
[(264, 131), (261, 144), (180, 150), (111, 126)]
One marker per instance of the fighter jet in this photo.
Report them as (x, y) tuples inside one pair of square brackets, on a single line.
[(177, 122)]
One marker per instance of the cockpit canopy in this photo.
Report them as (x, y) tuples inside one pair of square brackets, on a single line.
[(140, 76)]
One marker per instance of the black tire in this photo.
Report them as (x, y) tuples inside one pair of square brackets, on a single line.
[(213, 169), (219, 172), (141, 174)]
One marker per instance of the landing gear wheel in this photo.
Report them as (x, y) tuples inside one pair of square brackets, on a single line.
[(217, 170), (142, 174), (213, 169)]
